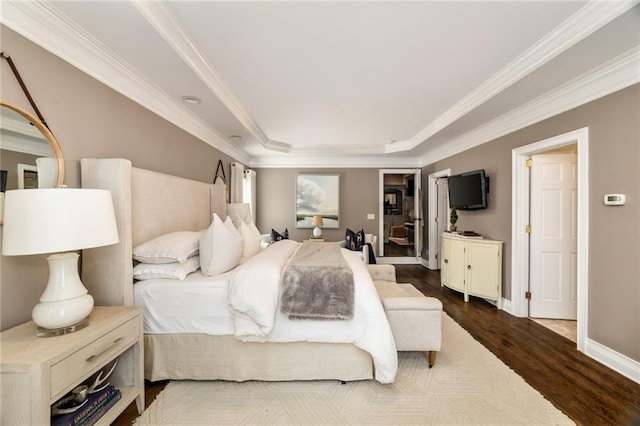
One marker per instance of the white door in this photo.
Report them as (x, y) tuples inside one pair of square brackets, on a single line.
[(553, 203), (443, 211)]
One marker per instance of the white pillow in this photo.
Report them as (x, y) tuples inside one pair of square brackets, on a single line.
[(251, 241), (176, 270), (253, 227), (169, 248), (220, 247)]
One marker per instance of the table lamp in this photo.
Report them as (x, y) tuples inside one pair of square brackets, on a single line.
[(317, 222), (59, 221)]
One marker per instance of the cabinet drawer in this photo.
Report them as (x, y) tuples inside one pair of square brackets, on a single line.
[(69, 371)]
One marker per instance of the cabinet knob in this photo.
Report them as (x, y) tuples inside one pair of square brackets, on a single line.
[(468, 266), (446, 261)]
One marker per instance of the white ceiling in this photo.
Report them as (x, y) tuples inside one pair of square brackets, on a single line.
[(360, 84)]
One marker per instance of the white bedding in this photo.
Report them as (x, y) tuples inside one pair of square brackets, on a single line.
[(197, 304), (253, 298), (245, 302)]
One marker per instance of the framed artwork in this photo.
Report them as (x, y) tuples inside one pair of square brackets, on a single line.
[(27, 176), (317, 195)]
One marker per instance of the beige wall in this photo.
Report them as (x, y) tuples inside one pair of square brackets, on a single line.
[(276, 201), (614, 249), (89, 120)]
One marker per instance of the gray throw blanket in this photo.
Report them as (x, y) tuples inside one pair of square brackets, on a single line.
[(317, 284)]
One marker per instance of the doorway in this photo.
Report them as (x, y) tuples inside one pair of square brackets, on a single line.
[(400, 215), (438, 215), (521, 219)]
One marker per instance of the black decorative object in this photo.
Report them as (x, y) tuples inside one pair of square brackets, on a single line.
[(277, 236), (3, 180)]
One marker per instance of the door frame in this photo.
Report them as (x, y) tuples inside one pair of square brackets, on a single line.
[(520, 219), (417, 189), (432, 262)]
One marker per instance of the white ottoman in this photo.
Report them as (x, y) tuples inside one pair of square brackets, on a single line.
[(415, 320)]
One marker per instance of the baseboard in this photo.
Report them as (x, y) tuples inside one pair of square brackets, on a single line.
[(614, 360), (507, 306), (424, 262)]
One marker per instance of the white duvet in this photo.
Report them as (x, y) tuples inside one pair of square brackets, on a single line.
[(254, 292)]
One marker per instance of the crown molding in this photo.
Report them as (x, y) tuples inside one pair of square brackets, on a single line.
[(333, 161), (581, 24), (18, 144), (162, 19), (41, 23), (616, 74)]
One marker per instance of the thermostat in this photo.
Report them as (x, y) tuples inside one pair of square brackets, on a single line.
[(615, 199)]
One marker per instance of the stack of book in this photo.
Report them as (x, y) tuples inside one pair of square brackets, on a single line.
[(312, 238), (471, 234), (96, 406)]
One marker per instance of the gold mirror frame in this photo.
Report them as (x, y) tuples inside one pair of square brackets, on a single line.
[(53, 143)]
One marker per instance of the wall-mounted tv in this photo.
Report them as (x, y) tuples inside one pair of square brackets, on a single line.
[(468, 191)]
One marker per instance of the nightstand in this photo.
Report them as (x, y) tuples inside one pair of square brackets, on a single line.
[(36, 371)]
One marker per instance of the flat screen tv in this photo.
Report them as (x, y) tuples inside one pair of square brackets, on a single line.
[(468, 191)]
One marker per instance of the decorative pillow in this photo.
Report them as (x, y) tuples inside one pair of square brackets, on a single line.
[(176, 270), (251, 241), (221, 247), (276, 236), (254, 228), (360, 239), (169, 248), (354, 240)]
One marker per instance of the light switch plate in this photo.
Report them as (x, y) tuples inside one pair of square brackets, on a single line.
[(371, 216)]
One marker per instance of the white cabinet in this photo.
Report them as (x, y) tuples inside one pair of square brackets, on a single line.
[(472, 266)]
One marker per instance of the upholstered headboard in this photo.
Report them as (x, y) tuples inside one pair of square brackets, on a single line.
[(147, 204)]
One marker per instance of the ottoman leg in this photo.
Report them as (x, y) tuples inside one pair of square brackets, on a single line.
[(431, 356)]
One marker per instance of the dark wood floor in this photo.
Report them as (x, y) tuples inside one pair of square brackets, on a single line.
[(392, 249), (585, 390)]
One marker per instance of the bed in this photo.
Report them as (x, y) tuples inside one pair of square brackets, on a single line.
[(149, 204)]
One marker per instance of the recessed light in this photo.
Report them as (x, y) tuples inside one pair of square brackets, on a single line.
[(191, 100)]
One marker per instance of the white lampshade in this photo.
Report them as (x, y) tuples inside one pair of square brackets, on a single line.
[(317, 221), (59, 220)]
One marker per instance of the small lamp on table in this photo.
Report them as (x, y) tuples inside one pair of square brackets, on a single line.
[(317, 222), (59, 221)]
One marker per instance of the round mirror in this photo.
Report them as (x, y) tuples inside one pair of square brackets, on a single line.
[(30, 156)]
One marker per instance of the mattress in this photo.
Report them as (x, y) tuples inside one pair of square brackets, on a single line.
[(197, 304)]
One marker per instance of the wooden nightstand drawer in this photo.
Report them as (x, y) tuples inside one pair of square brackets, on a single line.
[(93, 356)]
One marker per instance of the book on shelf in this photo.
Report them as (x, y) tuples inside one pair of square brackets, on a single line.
[(102, 409), (95, 406)]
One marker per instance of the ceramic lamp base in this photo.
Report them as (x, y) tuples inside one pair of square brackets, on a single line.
[(65, 303), (317, 232)]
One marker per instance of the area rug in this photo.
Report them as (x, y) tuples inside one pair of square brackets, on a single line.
[(467, 386)]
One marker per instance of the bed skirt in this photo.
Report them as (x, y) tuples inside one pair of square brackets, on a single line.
[(205, 357)]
